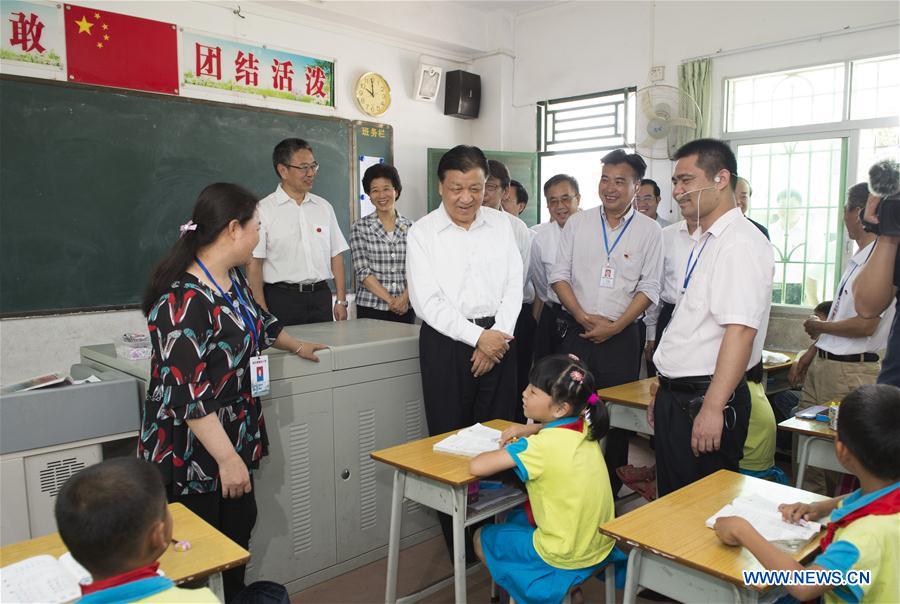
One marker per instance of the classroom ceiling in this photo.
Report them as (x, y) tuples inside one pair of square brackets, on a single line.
[(511, 6)]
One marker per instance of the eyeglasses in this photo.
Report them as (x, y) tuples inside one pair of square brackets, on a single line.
[(314, 167), (564, 199)]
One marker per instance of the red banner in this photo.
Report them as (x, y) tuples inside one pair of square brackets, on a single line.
[(111, 49)]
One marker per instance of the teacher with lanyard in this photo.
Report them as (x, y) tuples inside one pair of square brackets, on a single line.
[(701, 411), (202, 423)]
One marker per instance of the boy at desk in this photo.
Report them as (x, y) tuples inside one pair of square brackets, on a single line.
[(864, 526), (114, 519)]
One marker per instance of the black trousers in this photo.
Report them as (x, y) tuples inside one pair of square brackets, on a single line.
[(455, 399), (524, 339), (367, 312), (235, 518), (551, 324), (676, 465), (292, 307), (665, 315), (616, 361)]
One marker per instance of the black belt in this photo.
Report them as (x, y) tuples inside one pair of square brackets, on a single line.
[(685, 384), (485, 322), (302, 287), (863, 357)]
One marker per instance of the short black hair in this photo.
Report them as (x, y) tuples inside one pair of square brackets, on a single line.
[(712, 155), (868, 425), (650, 181), (556, 375), (823, 308), (521, 193), (104, 511), (499, 171), (857, 195), (634, 161), (283, 151), (463, 158), (560, 178), (382, 171)]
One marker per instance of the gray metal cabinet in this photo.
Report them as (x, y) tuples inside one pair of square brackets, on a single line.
[(295, 494), (368, 417)]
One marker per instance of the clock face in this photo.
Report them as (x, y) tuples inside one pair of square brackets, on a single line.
[(373, 94)]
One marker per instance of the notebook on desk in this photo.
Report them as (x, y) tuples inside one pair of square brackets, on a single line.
[(43, 579), (470, 441), (763, 514)]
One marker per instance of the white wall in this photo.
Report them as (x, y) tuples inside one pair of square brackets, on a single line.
[(586, 47), (359, 43)]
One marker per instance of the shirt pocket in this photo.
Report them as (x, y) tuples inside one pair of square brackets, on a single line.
[(322, 239), (631, 265), (282, 232), (697, 294)]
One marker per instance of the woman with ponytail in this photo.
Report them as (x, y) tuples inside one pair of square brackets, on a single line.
[(543, 551), (200, 424)]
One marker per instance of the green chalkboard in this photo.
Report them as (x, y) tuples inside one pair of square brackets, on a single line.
[(94, 183), (522, 167)]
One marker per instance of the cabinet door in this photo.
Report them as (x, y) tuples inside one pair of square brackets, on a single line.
[(295, 528), (368, 417)]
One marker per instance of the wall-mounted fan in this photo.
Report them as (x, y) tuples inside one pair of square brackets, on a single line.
[(666, 119)]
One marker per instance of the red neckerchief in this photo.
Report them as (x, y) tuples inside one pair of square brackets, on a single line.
[(577, 426), (887, 504), (144, 572)]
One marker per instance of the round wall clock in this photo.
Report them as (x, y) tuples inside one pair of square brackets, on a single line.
[(373, 95)]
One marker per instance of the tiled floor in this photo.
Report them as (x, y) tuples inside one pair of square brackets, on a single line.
[(428, 562)]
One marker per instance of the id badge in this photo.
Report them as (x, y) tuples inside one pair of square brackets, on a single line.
[(608, 277), (259, 375)]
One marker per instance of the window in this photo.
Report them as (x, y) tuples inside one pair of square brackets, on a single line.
[(575, 132), (802, 137)]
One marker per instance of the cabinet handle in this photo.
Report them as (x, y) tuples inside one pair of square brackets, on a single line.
[(345, 474)]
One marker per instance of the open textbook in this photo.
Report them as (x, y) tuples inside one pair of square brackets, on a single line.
[(470, 441), (763, 514), (43, 579)]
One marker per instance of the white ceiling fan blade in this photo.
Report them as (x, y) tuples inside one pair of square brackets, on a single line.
[(647, 106)]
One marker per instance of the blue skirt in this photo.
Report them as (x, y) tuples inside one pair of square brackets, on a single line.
[(516, 566)]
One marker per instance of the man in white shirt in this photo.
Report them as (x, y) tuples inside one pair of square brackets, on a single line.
[(846, 353), (678, 241), (646, 201), (300, 244), (517, 200), (465, 282), (562, 195), (701, 410), (496, 190), (606, 275)]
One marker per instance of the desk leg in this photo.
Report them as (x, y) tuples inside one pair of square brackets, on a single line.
[(393, 558), (217, 586), (459, 543), (632, 577), (802, 459)]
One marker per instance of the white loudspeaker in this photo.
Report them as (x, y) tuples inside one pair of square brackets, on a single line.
[(428, 82)]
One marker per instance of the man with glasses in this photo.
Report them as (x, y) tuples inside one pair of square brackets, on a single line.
[(607, 273), (300, 244), (646, 201), (561, 193)]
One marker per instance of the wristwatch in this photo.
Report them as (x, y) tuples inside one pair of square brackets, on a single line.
[(342, 303)]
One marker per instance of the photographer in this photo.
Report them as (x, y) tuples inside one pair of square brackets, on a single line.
[(876, 286)]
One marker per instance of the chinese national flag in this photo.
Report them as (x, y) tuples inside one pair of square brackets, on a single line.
[(111, 49)]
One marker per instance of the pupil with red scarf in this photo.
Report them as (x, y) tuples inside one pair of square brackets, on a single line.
[(863, 526)]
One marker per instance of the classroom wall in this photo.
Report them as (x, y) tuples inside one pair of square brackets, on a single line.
[(364, 38)]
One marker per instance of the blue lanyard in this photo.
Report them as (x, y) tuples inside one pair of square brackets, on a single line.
[(840, 291), (689, 269), (240, 306), (610, 250)]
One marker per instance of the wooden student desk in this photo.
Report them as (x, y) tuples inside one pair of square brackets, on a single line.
[(211, 552), (674, 553), (815, 448), (441, 482), (627, 405)]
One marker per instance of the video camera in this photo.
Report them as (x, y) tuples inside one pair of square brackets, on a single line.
[(884, 181)]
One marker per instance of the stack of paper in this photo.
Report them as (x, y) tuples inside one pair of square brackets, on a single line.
[(763, 514), (470, 441)]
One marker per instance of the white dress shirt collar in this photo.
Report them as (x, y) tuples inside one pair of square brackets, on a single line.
[(282, 197), (443, 219)]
